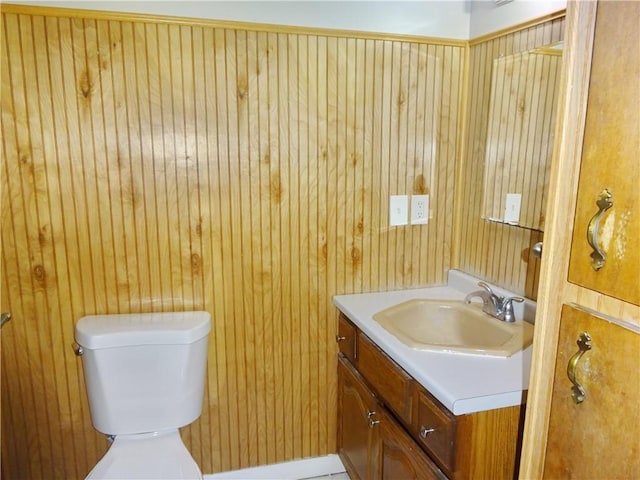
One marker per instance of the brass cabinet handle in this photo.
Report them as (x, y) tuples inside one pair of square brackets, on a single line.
[(598, 257), (584, 345), (6, 316), (372, 421), (340, 338), (424, 431)]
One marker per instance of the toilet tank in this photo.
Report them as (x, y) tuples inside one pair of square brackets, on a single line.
[(144, 372)]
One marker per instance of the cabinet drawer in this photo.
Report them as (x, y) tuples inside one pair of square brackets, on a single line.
[(436, 429), (346, 338), (392, 384)]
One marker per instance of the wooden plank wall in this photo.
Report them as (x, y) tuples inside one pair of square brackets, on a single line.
[(496, 252), (153, 165)]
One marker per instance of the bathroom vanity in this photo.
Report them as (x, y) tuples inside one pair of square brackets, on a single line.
[(409, 413)]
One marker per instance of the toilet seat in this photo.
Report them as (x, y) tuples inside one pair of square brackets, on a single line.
[(158, 455)]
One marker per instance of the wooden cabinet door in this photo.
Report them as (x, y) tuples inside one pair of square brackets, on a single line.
[(400, 456), (600, 437), (611, 157), (357, 423)]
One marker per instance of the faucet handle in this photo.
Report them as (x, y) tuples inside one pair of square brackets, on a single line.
[(507, 307)]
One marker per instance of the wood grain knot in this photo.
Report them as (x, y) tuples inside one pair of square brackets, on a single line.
[(123, 288), (129, 195), (420, 185), (324, 252), (356, 257), (86, 83), (243, 90), (43, 235), (276, 189), (103, 60), (522, 107), (196, 264), (40, 275)]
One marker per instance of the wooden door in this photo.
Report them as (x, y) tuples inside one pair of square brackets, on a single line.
[(599, 437), (357, 425), (611, 158)]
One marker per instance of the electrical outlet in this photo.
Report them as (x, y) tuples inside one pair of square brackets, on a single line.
[(419, 209), (398, 210)]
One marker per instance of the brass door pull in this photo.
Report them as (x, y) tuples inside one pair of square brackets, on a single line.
[(371, 419), (598, 257), (584, 345), (425, 431)]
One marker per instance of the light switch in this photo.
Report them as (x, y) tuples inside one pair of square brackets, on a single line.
[(398, 210), (512, 208)]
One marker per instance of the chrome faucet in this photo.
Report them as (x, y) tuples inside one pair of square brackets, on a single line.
[(495, 305)]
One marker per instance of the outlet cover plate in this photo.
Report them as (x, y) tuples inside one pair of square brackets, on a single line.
[(419, 209)]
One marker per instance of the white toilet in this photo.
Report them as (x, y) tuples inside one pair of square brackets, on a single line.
[(145, 376)]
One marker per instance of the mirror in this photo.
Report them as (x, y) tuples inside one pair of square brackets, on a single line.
[(522, 112)]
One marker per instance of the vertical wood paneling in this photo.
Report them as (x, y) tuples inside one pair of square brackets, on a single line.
[(520, 134), (152, 166), (497, 252)]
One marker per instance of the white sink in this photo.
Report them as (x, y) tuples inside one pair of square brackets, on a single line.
[(454, 326)]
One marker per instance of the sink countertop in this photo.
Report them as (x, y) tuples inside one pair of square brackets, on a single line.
[(463, 383)]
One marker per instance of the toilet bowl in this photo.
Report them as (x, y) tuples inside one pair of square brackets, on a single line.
[(144, 376), (147, 456)]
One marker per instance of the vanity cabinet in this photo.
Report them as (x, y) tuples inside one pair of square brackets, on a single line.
[(391, 427), (371, 443)]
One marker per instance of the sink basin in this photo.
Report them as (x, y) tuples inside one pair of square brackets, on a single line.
[(454, 326)]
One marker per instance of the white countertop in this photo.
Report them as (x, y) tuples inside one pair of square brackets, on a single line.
[(463, 383)]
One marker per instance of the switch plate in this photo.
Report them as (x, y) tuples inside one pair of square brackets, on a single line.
[(512, 208), (398, 210), (419, 209)]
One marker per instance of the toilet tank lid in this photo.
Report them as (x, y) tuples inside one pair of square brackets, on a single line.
[(167, 328)]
